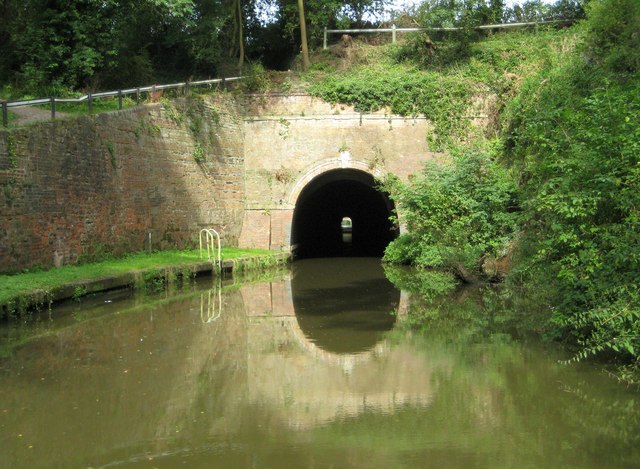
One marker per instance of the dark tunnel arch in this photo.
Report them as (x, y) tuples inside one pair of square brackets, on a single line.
[(317, 228)]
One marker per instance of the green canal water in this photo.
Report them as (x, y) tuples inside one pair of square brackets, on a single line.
[(318, 368)]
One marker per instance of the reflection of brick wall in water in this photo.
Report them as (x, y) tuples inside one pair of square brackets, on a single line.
[(88, 184), (268, 299), (282, 299), (257, 299)]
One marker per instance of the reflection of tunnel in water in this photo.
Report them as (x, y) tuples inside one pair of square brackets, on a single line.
[(330, 198), (343, 305)]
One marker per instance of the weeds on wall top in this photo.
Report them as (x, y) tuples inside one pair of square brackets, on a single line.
[(407, 81)]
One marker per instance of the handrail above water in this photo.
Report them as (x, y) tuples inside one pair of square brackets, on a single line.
[(209, 234)]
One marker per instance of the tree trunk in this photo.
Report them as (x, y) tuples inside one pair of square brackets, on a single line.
[(303, 36), (240, 33)]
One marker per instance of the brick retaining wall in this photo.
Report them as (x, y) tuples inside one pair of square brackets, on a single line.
[(75, 187)]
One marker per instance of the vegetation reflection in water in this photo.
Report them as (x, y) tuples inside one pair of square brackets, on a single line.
[(243, 380)]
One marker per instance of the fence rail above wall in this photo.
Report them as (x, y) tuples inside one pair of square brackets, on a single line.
[(393, 29), (186, 85)]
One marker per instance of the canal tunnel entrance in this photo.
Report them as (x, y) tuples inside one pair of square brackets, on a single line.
[(341, 213)]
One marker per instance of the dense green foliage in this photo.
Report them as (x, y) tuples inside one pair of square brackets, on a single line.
[(406, 80), (56, 47), (455, 213), (442, 99), (49, 47), (574, 135), (469, 13)]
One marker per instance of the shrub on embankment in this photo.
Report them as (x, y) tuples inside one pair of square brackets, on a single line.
[(456, 214), (573, 134)]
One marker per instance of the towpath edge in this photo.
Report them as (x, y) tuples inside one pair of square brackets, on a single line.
[(38, 298)]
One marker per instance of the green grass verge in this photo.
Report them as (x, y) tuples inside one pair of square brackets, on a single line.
[(31, 327), (24, 283)]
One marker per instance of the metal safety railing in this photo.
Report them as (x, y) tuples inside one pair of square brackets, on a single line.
[(394, 30), (209, 235), (120, 94)]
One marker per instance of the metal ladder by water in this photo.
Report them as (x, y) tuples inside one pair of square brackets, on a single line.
[(209, 234), (208, 311)]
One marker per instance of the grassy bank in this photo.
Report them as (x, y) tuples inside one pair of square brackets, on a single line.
[(16, 291)]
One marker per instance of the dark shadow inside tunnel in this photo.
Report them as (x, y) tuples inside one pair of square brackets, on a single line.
[(341, 213)]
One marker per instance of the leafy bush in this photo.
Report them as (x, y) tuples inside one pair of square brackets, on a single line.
[(455, 213), (614, 38)]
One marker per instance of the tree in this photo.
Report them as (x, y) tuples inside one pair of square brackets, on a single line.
[(357, 10), (50, 45), (303, 36), (320, 14), (238, 23)]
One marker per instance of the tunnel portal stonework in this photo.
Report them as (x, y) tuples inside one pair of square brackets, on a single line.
[(290, 140)]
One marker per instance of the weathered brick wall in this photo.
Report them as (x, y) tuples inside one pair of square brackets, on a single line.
[(73, 187), (77, 186)]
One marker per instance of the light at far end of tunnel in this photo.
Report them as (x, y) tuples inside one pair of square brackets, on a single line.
[(319, 221)]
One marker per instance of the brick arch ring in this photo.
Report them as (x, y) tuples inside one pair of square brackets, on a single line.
[(326, 166)]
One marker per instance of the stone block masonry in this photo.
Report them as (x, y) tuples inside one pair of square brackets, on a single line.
[(120, 182), (291, 139)]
